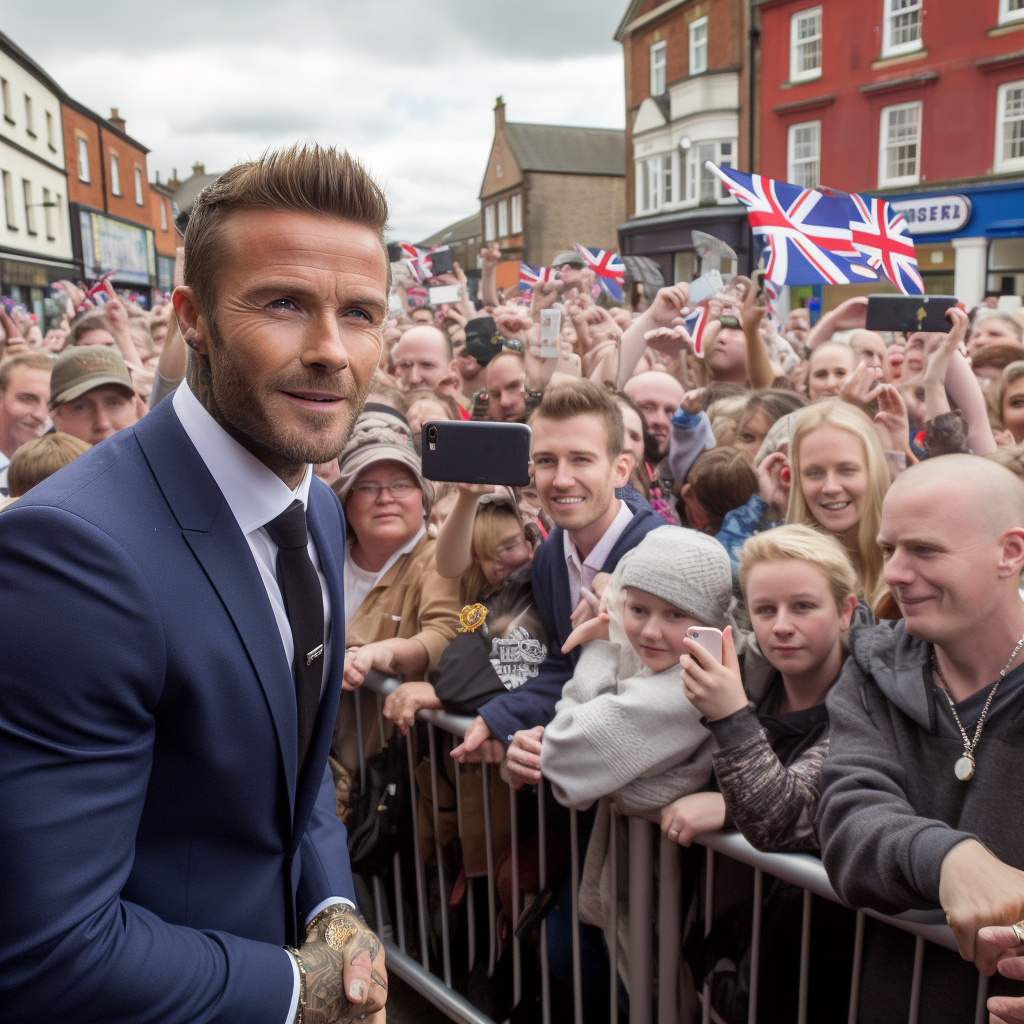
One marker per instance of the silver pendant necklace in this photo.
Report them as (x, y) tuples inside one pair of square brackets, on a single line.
[(964, 767)]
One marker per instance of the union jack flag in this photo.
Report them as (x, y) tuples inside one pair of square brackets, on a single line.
[(418, 260), (882, 237), (610, 270), (695, 324), (531, 276)]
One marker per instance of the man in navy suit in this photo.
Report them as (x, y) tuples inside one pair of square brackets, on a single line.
[(173, 646)]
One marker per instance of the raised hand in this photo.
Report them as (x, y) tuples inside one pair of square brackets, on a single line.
[(891, 421), (862, 387), (714, 689), (668, 304)]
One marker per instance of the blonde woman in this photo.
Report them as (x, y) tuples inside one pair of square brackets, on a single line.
[(838, 478)]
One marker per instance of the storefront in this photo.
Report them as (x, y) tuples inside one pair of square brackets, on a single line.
[(28, 281), (667, 239), (969, 241), (104, 243)]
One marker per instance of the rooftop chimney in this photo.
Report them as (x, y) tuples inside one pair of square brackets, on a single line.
[(172, 181), (198, 168), (499, 113), (116, 119)]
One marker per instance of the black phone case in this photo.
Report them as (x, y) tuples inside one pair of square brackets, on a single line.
[(476, 453), (909, 313), (441, 263)]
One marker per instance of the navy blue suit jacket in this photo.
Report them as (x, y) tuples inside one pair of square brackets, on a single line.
[(534, 702), (158, 845)]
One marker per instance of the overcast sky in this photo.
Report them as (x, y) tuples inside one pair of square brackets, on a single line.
[(408, 86)]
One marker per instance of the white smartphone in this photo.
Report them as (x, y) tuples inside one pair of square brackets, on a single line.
[(704, 287), (550, 332), (445, 293), (709, 638)]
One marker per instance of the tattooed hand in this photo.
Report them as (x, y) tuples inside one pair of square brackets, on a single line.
[(345, 975)]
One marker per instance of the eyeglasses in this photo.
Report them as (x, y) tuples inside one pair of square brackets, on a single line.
[(505, 551), (370, 492)]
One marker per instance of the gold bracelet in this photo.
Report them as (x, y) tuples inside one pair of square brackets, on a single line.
[(300, 1013)]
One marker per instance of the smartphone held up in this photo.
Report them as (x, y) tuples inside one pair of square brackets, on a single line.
[(474, 452)]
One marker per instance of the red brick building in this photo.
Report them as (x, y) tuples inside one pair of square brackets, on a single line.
[(923, 104), (115, 215), (688, 91)]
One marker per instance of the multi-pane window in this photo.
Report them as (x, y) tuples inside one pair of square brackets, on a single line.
[(902, 26), (489, 223), (654, 183), (1010, 10), (138, 187), (83, 160), (657, 61), (805, 45), (502, 218), (115, 175), (517, 213), (804, 152), (30, 210), (1010, 126), (9, 201), (163, 214), (900, 146), (30, 123), (48, 205), (666, 179), (699, 184), (698, 46)]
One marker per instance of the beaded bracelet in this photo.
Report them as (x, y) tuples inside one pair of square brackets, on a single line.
[(300, 1013)]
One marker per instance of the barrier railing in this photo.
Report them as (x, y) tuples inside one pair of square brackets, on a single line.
[(434, 981)]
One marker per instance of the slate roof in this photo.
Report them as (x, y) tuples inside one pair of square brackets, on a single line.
[(557, 149), (457, 232), (186, 192)]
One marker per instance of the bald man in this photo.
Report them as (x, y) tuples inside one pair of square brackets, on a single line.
[(424, 358), (912, 816), (506, 385), (657, 394)]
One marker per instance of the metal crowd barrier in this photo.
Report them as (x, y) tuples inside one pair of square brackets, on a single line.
[(433, 981)]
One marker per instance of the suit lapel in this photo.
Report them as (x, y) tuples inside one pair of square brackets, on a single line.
[(562, 593), (210, 530), (327, 528)]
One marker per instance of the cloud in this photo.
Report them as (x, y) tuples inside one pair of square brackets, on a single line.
[(406, 86)]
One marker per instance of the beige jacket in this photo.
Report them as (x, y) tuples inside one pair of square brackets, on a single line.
[(412, 602)]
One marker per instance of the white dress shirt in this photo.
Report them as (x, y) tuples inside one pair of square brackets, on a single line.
[(256, 495), (581, 574)]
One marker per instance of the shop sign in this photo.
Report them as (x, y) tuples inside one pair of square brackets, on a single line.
[(934, 215), (25, 274), (111, 245)]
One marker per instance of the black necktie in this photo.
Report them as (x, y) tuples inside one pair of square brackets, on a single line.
[(304, 603)]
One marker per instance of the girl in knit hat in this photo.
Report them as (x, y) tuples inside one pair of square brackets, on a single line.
[(623, 731)]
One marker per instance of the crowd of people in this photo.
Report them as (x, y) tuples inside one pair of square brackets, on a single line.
[(845, 506)]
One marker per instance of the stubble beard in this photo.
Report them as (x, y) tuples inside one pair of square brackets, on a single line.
[(244, 410)]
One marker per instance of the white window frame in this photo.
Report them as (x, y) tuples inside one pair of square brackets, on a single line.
[(1007, 15), (889, 15), (30, 121), (657, 64), (884, 181), (30, 211), (83, 164), (5, 90), (489, 223), (503, 218), (115, 175), (693, 175), (795, 43), (48, 215), (139, 200), (516, 204), (791, 157), (163, 214), (696, 67), (49, 131), (667, 188), (999, 163), (8, 182)]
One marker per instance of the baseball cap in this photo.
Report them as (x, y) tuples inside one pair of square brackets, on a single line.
[(483, 342), (84, 367), (572, 259)]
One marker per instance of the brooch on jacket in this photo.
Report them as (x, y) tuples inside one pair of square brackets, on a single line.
[(471, 618)]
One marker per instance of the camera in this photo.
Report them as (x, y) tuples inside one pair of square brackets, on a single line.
[(432, 437)]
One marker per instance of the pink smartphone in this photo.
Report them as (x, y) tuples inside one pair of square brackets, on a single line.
[(710, 639)]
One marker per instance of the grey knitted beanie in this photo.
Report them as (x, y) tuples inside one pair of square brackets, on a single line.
[(685, 568)]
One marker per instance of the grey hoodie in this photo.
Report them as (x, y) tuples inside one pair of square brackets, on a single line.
[(891, 807)]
